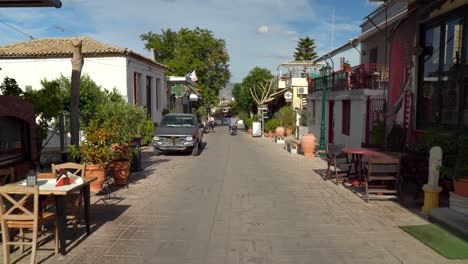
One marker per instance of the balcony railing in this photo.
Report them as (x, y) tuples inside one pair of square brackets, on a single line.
[(364, 76)]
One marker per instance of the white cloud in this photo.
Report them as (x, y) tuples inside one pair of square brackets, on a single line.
[(257, 32), (262, 29)]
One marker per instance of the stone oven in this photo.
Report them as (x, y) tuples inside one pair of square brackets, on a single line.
[(17, 134)]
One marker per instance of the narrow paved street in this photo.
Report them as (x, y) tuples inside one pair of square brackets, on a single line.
[(245, 200)]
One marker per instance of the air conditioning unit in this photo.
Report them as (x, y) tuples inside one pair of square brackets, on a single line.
[(302, 90)]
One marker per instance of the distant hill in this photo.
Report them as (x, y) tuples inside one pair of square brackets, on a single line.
[(226, 92)]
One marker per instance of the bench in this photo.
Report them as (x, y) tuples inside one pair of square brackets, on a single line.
[(292, 145)]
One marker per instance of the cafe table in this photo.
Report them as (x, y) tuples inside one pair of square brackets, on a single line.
[(359, 153), (47, 187)]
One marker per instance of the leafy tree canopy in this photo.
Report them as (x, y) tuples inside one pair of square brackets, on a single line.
[(243, 98), (10, 87), (305, 50), (193, 49)]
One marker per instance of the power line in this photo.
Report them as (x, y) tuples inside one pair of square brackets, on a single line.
[(12, 27)]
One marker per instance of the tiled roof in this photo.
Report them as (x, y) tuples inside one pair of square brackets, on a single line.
[(62, 47)]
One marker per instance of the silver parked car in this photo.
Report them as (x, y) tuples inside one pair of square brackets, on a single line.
[(178, 132)]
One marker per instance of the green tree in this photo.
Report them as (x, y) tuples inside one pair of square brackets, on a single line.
[(10, 87), (244, 100), (92, 96), (48, 102), (305, 50), (190, 49)]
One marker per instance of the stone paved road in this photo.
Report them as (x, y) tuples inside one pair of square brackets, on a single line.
[(244, 200)]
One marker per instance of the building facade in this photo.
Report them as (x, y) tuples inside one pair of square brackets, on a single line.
[(141, 80)]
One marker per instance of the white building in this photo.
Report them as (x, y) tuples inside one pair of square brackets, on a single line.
[(140, 79), (355, 97)]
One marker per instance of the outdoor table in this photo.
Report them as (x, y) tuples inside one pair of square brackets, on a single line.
[(359, 153), (47, 187)]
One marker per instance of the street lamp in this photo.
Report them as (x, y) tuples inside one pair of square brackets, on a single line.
[(325, 72)]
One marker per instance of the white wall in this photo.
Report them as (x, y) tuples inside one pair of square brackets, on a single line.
[(108, 72), (349, 53), (156, 73), (357, 132)]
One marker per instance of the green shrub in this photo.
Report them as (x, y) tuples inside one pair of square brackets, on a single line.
[(272, 124), (243, 116), (249, 122), (287, 117), (166, 111)]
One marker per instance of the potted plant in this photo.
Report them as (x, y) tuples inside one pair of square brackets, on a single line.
[(119, 164), (458, 170), (95, 150), (287, 117), (346, 66)]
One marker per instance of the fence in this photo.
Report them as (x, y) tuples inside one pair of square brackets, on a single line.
[(363, 76)]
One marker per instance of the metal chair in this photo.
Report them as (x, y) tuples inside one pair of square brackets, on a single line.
[(18, 212), (338, 160)]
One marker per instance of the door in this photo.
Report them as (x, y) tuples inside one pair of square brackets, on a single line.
[(331, 122)]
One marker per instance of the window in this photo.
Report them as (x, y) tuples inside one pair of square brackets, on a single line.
[(442, 82), (346, 117), (149, 81), (136, 87), (313, 111), (373, 55), (158, 93)]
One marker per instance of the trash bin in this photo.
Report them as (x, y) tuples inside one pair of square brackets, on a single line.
[(135, 165)]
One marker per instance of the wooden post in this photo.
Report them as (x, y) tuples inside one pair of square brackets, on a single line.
[(77, 65)]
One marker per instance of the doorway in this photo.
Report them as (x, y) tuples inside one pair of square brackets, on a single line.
[(331, 122)]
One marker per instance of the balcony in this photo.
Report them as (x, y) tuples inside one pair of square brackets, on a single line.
[(364, 76)]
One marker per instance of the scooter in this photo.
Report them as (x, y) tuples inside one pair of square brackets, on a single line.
[(232, 130)]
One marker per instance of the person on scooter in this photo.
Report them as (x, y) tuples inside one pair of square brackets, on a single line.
[(233, 125)]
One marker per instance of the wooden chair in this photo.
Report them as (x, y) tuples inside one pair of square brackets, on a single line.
[(21, 216), (75, 200), (380, 174), (338, 160), (7, 175)]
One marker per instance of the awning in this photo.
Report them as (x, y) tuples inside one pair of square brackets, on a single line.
[(275, 95), (30, 3), (194, 90), (382, 25)]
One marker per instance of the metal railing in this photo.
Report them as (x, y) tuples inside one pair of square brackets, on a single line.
[(363, 76)]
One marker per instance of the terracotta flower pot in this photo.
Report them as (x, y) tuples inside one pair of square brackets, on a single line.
[(96, 170), (270, 134), (120, 171), (308, 143), (250, 131), (280, 132), (461, 186), (288, 132)]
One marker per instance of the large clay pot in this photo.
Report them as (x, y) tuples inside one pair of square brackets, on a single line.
[(250, 131), (308, 143), (460, 186), (96, 170), (120, 171), (280, 132), (288, 132)]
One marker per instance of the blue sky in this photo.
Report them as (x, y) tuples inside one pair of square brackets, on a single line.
[(257, 32)]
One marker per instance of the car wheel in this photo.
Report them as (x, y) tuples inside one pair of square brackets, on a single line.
[(195, 150), (156, 152)]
